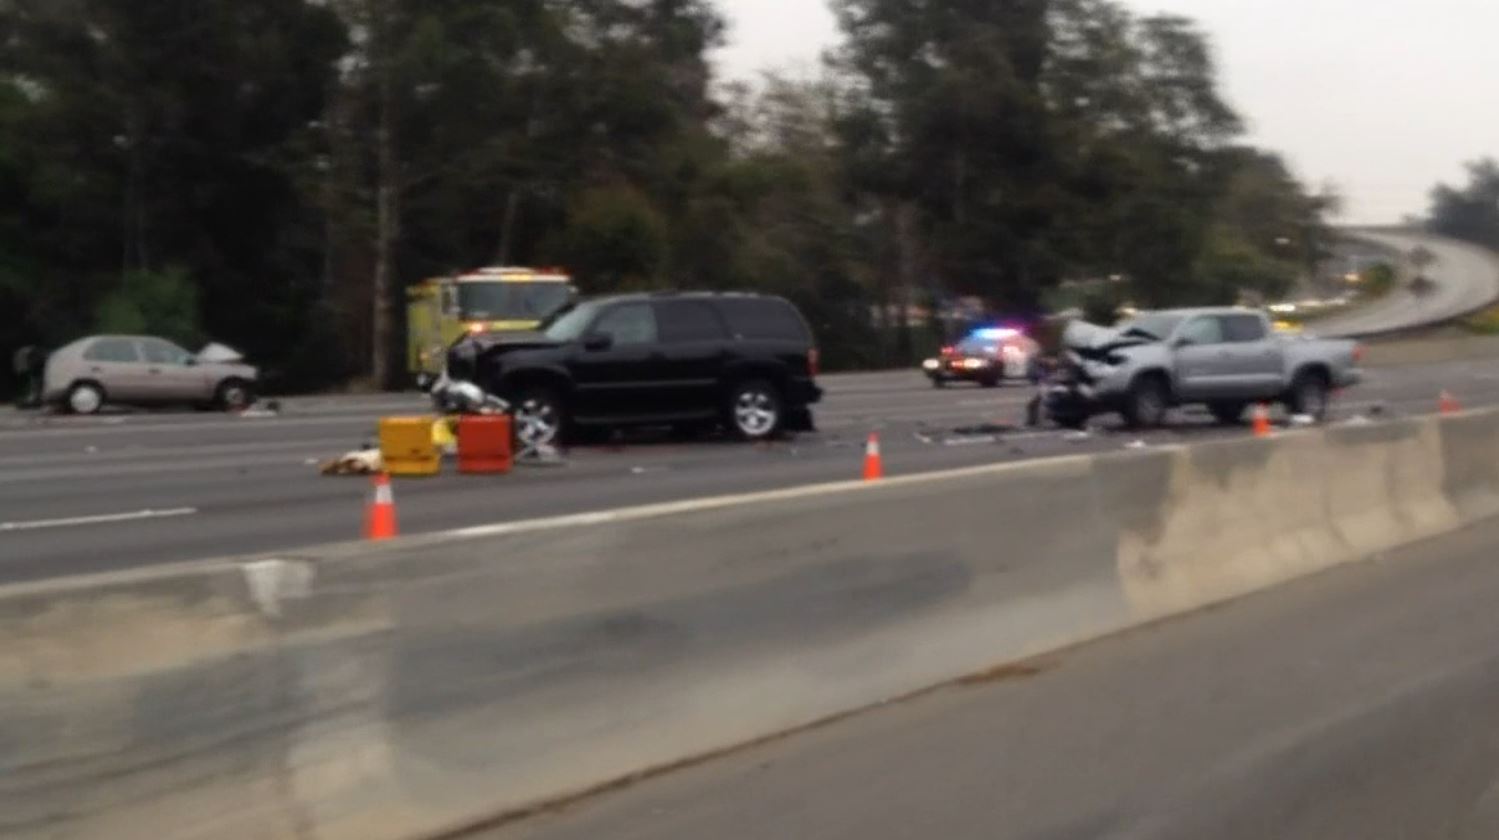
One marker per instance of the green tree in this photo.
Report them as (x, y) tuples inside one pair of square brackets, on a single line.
[(158, 135), (1469, 212), (163, 303)]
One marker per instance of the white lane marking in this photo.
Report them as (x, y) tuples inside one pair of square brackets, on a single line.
[(664, 509), (102, 519)]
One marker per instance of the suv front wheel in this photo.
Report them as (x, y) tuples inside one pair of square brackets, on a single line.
[(539, 417), (754, 410)]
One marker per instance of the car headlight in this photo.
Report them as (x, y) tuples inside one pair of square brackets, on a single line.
[(975, 364), (931, 364)]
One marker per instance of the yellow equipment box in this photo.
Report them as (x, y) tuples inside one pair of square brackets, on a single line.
[(406, 446)]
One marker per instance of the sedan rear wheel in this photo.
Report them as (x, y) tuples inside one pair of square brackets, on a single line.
[(85, 398)]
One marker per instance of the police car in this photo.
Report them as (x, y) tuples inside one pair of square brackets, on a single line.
[(987, 356)]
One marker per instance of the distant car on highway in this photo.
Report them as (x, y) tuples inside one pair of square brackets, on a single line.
[(691, 360), (1223, 358), (987, 356), (101, 370)]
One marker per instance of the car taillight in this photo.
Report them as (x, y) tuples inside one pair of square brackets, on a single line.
[(814, 362)]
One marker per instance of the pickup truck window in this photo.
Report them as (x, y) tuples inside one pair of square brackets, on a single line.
[(1204, 330), (1157, 325), (1243, 328)]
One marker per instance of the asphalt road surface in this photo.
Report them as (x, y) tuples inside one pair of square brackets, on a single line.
[(1466, 278), (1356, 704), (82, 495)]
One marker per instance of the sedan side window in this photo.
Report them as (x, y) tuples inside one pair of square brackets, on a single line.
[(1202, 331), (632, 323), (159, 352), (112, 350)]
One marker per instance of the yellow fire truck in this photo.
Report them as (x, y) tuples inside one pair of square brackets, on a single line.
[(440, 310)]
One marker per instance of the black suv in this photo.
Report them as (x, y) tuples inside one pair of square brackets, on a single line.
[(685, 359)]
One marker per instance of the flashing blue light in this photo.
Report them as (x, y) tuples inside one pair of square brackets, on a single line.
[(996, 333)]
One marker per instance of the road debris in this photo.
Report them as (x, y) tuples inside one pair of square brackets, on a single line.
[(970, 440), (541, 455), (268, 408), (365, 461)]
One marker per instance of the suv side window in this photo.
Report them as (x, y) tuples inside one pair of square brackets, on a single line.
[(630, 323), (1243, 328), (112, 350), (684, 321), (764, 319), (1204, 330)]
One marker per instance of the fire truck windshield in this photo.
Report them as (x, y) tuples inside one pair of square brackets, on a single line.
[(510, 301)]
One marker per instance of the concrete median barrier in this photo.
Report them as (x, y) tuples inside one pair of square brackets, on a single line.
[(419, 686), (1430, 350)]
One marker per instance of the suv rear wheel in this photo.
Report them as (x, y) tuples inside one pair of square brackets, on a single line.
[(754, 410)]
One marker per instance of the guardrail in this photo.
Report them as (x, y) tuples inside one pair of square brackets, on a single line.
[(432, 683)]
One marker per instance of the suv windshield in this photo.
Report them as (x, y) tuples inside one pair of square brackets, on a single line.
[(570, 324), (510, 301)]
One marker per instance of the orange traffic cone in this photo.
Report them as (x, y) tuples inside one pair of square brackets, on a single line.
[(874, 467), (1261, 420), (1448, 404), (380, 517)]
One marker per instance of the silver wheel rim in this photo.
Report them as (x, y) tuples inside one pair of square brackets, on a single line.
[(85, 400), (234, 397), (536, 423), (754, 413)]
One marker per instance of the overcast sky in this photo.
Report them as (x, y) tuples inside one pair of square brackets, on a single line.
[(1382, 98)]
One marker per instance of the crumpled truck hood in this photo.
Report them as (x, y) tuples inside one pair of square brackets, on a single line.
[(1087, 339)]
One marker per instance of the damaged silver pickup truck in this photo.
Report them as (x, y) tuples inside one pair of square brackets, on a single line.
[(1225, 359)]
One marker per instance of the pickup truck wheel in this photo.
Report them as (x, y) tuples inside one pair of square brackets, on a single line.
[(1309, 395), (1227, 413), (1145, 405)]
